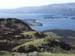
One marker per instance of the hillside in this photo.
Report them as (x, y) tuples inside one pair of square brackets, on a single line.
[(16, 36), (68, 36)]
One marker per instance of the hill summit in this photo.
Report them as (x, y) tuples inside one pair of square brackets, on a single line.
[(10, 30)]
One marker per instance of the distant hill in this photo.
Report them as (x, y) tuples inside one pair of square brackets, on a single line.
[(67, 36), (67, 9), (64, 33)]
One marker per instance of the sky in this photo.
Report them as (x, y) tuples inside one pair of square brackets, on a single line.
[(9, 4)]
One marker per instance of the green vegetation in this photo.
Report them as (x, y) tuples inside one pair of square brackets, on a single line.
[(36, 43), (37, 54), (16, 36), (48, 44), (56, 54), (52, 34)]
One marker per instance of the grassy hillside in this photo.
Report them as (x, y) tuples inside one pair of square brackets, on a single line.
[(37, 54), (16, 36), (67, 36)]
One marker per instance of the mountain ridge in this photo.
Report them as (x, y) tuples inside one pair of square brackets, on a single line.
[(63, 9)]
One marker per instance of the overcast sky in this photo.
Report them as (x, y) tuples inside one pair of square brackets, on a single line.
[(9, 4)]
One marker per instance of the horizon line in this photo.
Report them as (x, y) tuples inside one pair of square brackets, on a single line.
[(37, 6)]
